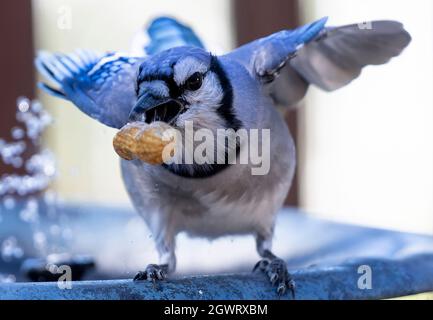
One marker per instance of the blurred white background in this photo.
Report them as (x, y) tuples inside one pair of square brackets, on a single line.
[(367, 150)]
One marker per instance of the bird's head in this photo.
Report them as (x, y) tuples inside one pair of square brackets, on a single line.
[(185, 84)]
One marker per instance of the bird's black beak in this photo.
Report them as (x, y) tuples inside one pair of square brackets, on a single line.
[(150, 108)]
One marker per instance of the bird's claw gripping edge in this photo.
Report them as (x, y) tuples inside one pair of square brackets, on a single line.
[(276, 270), (152, 273)]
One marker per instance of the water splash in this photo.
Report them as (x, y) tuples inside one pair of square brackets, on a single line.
[(28, 191), (40, 168)]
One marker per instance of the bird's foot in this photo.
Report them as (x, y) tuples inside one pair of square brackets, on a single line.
[(152, 273), (276, 270)]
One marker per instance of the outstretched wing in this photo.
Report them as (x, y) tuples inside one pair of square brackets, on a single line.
[(338, 55), (102, 86), (267, 56), (330, 60)]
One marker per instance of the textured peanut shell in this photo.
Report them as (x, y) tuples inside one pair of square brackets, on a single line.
[(142, 141)]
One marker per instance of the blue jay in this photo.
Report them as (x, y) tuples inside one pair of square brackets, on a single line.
[(178, 80)]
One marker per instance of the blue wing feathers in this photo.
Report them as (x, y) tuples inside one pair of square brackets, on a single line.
[(59, 68), (166, 33), (308, 32), (92, 82), (102, 86), (51, 91), (88, 67)]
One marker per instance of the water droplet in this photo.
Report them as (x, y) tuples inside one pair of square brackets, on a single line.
[(67, 234), (23, 104), (10, 249), (17, 162), (40, 240), (17, 133), (36, 106), (30, 212), (55, 230), (50, 198), (8, 203), (8, 278)]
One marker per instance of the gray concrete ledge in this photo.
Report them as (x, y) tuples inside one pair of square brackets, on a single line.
[(390, 278)]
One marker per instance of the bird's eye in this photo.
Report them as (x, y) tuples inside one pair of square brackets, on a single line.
[(194, 81)]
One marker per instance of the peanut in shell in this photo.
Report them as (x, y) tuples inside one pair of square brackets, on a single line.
[(139, 140)]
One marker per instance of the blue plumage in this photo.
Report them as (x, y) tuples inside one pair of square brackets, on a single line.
[(166, 33), (87, 79), (307, 32), (103, 85)]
